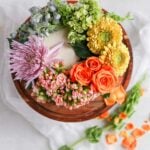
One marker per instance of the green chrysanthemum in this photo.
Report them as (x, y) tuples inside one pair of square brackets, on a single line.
[(106, 31), (117, 56)]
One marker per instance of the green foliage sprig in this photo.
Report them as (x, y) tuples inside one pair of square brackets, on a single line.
[(119, 18)]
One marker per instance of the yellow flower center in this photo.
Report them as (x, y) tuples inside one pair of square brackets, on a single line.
[(105, 36)]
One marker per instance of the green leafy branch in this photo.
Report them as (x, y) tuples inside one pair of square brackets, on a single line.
[(118, 18), (94, 133)]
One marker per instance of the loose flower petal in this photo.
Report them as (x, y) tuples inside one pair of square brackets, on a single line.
[(111, 138), (129, 126), (129, 143), (146, 127), (137, 132), (123, 134), (104, 115)]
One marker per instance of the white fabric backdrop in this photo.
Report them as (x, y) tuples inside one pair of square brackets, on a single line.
[(12, 14)]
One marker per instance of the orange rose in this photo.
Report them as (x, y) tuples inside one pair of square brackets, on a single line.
[(81, 74), (93, 63), (104, 81)]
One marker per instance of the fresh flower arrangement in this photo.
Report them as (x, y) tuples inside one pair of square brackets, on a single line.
[(97, 40)]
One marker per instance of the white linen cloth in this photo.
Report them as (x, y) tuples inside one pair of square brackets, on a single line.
[(60, 133)]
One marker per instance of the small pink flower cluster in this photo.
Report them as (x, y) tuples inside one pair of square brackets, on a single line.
[(55, 85)]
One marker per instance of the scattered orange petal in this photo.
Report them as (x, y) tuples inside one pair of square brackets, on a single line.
[(122, 115), (146, 127), (118, 94), (129, 126), (116, 120), (137, 132), (104, 115), (111, 138), (123, 134), (129, 142), (109, 102)]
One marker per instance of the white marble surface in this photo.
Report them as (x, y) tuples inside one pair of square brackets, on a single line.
[(15, 132)]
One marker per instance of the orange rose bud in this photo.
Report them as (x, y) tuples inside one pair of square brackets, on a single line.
[(129, 126), (104, 81), (122, 115), (104, 115), (93, 64), (129, 142), (111, 138), (137, 132)]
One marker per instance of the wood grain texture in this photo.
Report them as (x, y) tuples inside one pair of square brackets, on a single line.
[(89, 111)]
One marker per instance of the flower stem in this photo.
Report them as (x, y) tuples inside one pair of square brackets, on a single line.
[(77, 142), (107, 127)]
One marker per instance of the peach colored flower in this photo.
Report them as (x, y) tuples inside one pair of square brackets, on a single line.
[(93, 63), (81, 74), (104, 80)]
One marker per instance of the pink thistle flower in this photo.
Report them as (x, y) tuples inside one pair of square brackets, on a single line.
[(28, 60)]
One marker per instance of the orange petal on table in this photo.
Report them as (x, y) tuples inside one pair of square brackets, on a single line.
[(129, 142), (146, 127), (123, 134), (137, 132), (104, 115), (129, 126), (111, 138), (109, 101), (122, 115)]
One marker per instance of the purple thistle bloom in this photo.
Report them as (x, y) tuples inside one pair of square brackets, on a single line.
[(28, 60)]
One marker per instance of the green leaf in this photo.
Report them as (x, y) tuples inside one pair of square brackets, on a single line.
[(82, 50), (107, 95), (65, 147), (119, 18), (93, 134)]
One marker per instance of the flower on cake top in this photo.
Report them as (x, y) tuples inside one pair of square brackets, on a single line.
[(100, 77), (117, 56), (104, 32), (28, 60)]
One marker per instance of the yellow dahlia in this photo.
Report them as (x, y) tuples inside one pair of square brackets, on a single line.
[(117, 56), (106, 31)]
